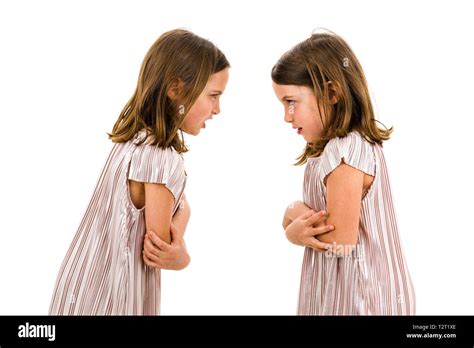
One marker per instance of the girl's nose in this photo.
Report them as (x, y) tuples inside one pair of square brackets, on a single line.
[(216, 109), (288, 117)]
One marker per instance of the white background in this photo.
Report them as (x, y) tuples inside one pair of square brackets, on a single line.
[(67, 68)]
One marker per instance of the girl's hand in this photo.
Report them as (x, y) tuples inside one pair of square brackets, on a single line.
[(302, 231), (294, 210), (159, 254)]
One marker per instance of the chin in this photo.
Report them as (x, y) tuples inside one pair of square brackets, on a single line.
[(310, 139), (191, 131)]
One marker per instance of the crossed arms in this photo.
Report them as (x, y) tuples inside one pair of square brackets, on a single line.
[(163, 245), (337, 228)]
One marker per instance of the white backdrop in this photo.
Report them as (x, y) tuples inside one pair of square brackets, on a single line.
[(68, 67)]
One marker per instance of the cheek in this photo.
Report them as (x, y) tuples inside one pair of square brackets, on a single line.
[(194, 115), (200, 110), (206, 109), (311, 118), (302, 117)]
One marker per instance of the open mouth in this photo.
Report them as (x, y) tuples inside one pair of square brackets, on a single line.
[(299, 130)]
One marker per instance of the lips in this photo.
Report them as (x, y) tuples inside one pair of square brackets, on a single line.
[(299, 130), (204, 123)]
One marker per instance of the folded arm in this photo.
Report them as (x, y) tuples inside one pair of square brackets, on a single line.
[(164, 246), (159, 203), (344, 186)]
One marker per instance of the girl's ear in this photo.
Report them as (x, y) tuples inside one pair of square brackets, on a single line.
[(334, 90), (175, 90)]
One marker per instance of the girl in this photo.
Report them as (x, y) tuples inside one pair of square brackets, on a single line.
[(141, 186), (355, 265)]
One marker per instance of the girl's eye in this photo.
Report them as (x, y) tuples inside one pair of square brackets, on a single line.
[(290, 102), (214, 95)]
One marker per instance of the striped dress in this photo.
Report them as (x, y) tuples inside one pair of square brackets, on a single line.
[(103, 272), (374, 278)]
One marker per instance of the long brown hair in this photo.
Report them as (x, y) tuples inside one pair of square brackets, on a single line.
[(177, 56), (322, 60)]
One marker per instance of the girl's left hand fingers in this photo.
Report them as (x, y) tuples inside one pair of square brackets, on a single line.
[(318, 245), (151, 263), (160, 244), (316, 218), (306, 215), (147, 261), (321, 230), (150, 248), (151, 256)]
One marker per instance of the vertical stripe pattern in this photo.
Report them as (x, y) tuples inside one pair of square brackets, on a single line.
[(374, 278), (103, 272)]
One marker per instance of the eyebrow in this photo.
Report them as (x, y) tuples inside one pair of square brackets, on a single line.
[(287, 97), (216, 91)]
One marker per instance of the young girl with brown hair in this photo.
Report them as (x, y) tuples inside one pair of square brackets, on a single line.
[(353, 261), (136, 219)]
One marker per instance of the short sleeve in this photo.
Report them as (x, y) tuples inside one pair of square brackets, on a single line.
[(353, 150), (152, 164)]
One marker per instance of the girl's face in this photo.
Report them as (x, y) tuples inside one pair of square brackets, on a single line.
[(301, 110), (207, 104)]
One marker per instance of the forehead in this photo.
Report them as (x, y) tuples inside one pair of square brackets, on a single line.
[(288, 90), (218, 79)]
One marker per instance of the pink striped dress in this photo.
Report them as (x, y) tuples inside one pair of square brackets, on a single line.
[(103, 272), (374, 278)]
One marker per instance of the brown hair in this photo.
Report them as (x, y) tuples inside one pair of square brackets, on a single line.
[(177, 56), (326, 59)]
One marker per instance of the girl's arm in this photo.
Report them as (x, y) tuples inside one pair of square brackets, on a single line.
[(159, 202), (159, 252), (344, 186)]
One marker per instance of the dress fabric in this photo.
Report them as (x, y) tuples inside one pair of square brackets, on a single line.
[(374, 278), (103, 272)]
